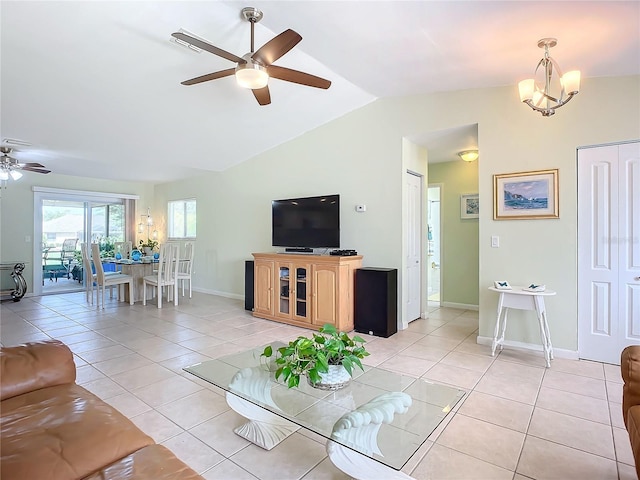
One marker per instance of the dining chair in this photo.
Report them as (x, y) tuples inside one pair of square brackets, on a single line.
[(165, 276), (186, 265), (104, 280), (90, 275)]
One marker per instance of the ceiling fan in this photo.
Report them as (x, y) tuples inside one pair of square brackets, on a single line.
[(10, 167), (254, 68)]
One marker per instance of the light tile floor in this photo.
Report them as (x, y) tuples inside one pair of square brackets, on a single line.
[(518, 421)]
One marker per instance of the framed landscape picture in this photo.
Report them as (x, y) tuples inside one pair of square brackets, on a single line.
[(469, 206), (526, 195)]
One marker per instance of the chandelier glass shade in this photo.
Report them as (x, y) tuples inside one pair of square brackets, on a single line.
[(555, 89)]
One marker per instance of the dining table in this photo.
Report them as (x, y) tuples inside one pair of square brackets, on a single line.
[(138, 269)]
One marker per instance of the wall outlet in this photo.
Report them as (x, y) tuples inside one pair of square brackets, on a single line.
[(495, 241), (27, 238), (361, 208)]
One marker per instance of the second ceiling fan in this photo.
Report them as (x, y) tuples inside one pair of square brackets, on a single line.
[(253, 69)]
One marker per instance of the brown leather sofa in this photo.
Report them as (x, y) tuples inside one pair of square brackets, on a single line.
[(630, 365), (52, 428)]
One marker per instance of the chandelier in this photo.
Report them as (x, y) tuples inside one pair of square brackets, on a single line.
[(555, 90), (147, 220)]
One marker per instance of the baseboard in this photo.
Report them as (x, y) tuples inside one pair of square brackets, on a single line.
[(463, 306), (510, 344), (234, 296)]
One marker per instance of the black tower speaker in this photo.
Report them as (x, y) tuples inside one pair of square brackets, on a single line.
[(376, 306), (248, 285)]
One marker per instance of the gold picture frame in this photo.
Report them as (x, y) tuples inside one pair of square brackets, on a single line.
[(526, 195)]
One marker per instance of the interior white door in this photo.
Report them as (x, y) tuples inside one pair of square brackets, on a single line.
[(629, 241), (608, 251), (414, 245)]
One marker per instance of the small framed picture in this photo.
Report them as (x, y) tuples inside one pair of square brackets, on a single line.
[(502, 285), (469, 206)]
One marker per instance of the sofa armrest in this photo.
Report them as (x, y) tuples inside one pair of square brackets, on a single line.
[(630, 369), (33, 366)]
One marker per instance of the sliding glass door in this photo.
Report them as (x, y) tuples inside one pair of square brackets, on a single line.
[(65, 221)]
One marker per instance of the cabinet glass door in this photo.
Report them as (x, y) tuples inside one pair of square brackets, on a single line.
[(284, 284), (301, 292)]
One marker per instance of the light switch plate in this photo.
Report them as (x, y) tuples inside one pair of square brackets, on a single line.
[(495, 241)]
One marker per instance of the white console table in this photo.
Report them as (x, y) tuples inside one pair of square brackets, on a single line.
[(523, 300)]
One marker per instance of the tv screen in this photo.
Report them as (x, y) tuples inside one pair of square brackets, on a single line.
[(312, 222)]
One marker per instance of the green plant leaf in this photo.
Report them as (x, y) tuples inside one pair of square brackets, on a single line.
[(268, 351), (348, 365), (358, 362), (359, 339), (314, 376), (322, 365), (329, 329)]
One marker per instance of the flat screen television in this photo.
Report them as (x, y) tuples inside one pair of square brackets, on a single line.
[(310, 222)]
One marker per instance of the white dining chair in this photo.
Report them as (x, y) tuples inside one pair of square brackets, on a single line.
[(165, 276), (90, 275), (186, 265), (105, 281)]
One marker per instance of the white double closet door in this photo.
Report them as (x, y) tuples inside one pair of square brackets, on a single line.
[(608, 250)]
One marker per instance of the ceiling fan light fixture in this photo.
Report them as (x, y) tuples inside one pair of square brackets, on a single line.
[(469, 155), (4, 175), (16, 175), (251, 75)]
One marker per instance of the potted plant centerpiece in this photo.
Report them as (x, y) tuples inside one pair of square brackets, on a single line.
[(148, 246), (327, 359)]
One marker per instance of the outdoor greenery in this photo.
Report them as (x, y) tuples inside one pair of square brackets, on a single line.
[(312, 356), (107, 246)]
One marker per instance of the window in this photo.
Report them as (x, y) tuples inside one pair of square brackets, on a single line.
[(182, 218)]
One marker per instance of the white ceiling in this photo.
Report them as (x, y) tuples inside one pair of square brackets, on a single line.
[(95, 86)]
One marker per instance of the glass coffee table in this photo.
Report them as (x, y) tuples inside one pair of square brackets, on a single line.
[(372, 427)]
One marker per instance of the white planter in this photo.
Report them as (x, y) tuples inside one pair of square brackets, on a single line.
[(336, 378)]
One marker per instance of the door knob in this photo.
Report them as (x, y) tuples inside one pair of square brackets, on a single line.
[(637, 279)]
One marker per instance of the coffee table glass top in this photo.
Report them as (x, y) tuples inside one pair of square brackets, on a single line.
[(369, 397)]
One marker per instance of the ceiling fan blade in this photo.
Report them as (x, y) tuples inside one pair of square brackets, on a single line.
[(30, 164), (276, 47), (262, 95), (210, 76), (36, 170), (208, 47), (294, 76)]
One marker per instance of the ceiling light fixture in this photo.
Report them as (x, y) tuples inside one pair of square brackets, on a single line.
[(469, 155), (542, 97), (8, 169), (251, 74)]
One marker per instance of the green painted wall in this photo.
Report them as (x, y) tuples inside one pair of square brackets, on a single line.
[(459, 249)]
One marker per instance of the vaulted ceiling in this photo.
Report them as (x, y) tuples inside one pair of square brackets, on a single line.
[(95, 86)]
